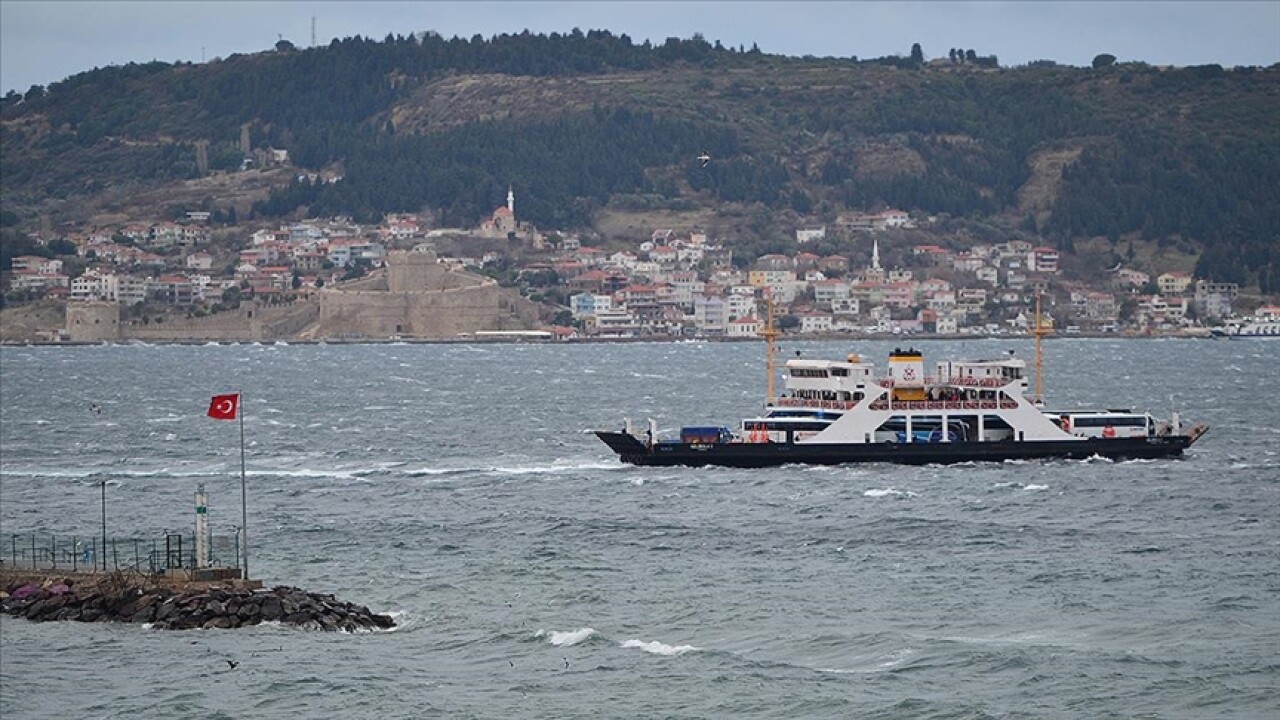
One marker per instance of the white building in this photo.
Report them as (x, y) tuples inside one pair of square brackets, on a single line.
[(804, 235), (710, 314), (815, 323), (587, 304)]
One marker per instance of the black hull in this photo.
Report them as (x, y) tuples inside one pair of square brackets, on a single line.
[(756, 455)]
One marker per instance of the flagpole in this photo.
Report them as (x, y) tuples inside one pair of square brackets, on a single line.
[(244, 504)]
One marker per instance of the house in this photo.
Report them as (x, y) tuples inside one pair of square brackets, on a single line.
[(812, 322), (199, 261), (172, 289), (775, 262), (900, 295), (834, 263), (264, 255), (748, 326), (589, 256), (846, 306), (1214, 299), (615, 323), (586, 304), (664, 255), (804, 235), (36, 265), (1174, 282), (827, 291), (564, 333), (805, 261), (1127, 278), (710, 314), (967, 262), (1043, 260), (31, 280), (740, 306), (770, 278)]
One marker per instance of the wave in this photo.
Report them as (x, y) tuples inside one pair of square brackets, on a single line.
[(568, 638), (553, 468), (888, 492), (658, 648)]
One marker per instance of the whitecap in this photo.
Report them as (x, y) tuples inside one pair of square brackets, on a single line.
[(659, 648), (888, 492), (1033, 486), (568, 638)]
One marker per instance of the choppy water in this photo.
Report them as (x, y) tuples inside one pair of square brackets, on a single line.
[(535, 576)]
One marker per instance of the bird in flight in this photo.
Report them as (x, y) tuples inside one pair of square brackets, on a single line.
[(233, 664), (704, 158)]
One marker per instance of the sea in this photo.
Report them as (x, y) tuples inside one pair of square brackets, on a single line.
[(532, 575)]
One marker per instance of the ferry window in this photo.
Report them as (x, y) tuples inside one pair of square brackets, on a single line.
[(839, 372), (995, 422), (797, 425), (808, 373), (1113, 421)]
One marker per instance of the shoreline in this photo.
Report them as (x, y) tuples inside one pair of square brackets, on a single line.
[(605, 341)]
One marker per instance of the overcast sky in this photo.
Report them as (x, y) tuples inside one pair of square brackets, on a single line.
[(42, 42)]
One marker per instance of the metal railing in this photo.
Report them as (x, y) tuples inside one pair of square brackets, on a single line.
[(70, 553)]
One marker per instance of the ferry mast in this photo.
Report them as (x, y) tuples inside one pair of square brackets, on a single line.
[(768, 334), (1039, 332)]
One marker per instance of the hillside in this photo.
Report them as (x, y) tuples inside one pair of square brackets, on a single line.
[(594, 129)]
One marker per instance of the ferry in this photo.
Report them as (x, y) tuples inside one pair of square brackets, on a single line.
[(1265, 324), (840, 411)]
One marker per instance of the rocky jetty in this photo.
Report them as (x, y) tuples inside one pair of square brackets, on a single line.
[(184, 609)]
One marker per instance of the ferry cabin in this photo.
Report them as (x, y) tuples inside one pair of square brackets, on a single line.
[(963, 401)]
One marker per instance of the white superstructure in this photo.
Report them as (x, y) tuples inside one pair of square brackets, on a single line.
[(961, 401)]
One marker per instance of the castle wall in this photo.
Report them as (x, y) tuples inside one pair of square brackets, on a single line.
[(93, 321), (441, 314), (251, 321)]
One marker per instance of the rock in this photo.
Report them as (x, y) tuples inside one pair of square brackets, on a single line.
[(271, 608)]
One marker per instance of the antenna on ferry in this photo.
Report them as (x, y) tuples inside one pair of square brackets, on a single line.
[(768, 334)]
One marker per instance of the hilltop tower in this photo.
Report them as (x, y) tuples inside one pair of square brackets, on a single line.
[(511, 200), (875, 255)]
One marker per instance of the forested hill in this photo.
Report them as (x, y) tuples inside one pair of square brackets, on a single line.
[(586, 121)]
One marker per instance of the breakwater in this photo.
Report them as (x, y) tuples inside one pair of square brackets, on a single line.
[(118, 598)]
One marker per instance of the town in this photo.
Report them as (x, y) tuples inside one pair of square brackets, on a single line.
[(674, 284)]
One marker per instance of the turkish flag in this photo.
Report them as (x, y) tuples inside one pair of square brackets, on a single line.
[(224, 407)]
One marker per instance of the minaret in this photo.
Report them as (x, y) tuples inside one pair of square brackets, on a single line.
[(875, 255), (511, 200)]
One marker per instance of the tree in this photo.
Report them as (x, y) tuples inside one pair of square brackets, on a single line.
[(917, 54), (1103, 60)]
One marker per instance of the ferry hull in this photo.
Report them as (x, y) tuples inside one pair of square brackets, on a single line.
[(757, 455)]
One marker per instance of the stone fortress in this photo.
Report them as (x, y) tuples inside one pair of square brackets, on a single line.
[(417, 297), (414, 297)]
